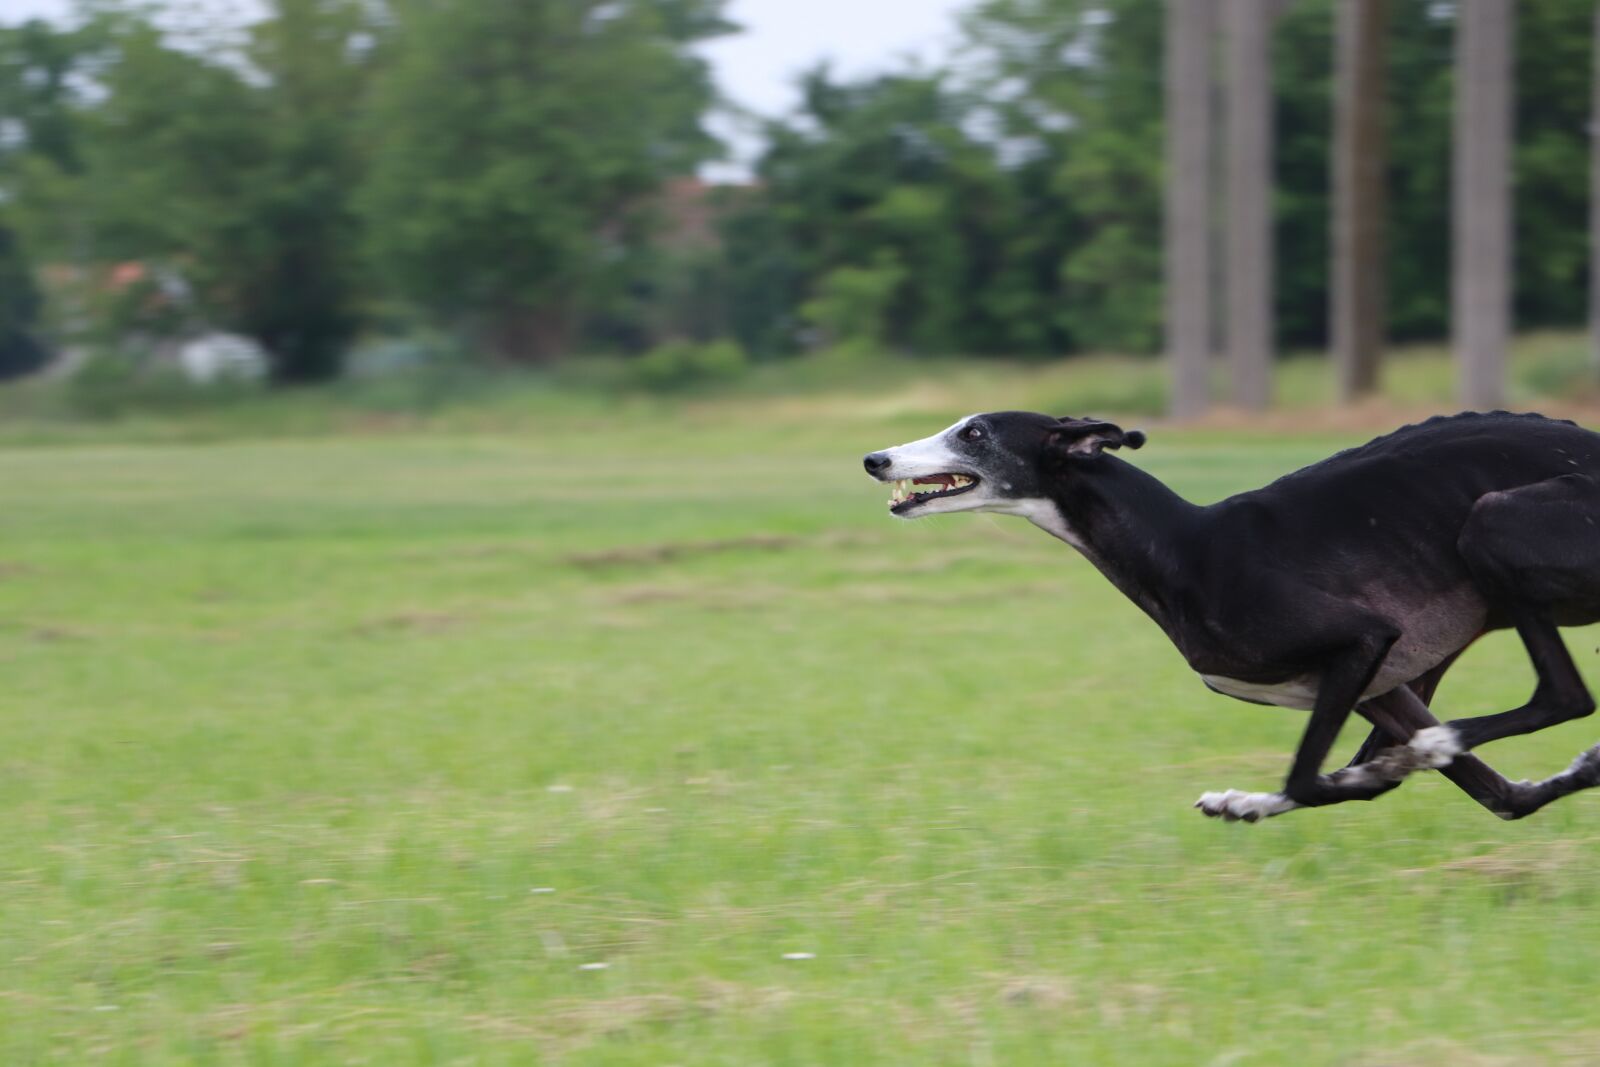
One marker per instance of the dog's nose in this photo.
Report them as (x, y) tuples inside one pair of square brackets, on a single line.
[(876, 462)]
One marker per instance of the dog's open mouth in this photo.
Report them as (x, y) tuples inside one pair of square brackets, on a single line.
[(906, 496)]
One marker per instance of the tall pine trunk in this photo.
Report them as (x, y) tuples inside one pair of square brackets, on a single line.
[(521, 335), (1190, 29), (1359, 163), (1249, 233), (1481, 202)]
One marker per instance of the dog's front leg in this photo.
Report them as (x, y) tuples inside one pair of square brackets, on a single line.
[(1342, 684)]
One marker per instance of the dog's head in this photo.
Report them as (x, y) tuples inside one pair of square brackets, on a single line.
[(991, 462)]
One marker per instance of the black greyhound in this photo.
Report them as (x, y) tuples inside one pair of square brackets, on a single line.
[(1351, 584)]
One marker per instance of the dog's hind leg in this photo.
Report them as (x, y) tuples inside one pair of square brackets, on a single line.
[(1393, 735), (1535, 552), (1402, 711)]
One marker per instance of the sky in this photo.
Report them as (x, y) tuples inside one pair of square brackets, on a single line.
[(758, 68)]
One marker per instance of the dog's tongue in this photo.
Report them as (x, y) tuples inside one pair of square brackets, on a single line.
[(946, 480)]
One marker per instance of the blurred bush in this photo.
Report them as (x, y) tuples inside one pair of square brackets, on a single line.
[(681, 364), (118, 381), (851, 306)]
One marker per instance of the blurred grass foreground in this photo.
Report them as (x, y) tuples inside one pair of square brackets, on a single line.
[(539, 726)]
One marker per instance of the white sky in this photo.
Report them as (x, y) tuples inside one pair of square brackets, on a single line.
[(757, 68)]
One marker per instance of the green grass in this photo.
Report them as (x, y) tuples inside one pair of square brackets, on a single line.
[(295, 730)]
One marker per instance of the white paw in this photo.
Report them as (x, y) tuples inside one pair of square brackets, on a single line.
[(1235, 805), (1436, 746)]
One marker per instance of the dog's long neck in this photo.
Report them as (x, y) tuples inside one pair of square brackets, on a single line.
[(1140, 534)]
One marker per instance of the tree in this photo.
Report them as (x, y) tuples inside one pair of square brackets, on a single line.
[(1248, 252), (38, 62), (1549, 155), (232, 170), (1189, 292), (39, 162), (517, 145), (20, 351), (37, 147), (878, 187), (1359, 173), (1481, 204), (1075, 106), (301, 297)]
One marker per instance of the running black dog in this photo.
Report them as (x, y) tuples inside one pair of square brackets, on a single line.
[(1351, 584)]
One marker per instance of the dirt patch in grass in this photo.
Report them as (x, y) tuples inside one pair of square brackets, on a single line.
[(1049, 992), (673, 551), (711, 598), (1520, 863), (426, 622), (47, 633), (667, 552), (566, 1026)]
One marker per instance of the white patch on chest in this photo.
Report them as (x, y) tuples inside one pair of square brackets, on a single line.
[(1044, 514)]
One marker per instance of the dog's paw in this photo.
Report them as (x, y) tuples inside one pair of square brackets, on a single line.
[(1235, 805), (1436, 746), (1585, 770)]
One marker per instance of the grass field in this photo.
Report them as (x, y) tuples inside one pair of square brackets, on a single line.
[(554, 745)]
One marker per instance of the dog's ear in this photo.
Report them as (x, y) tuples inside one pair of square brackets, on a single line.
[(1090, 437)]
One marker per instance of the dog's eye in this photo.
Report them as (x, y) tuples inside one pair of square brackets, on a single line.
[(971, 433)]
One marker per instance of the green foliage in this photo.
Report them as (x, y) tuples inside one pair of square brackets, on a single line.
[(680, 364), (1075, 88), (1550, 161), (851, 305), (253, 176), (515, 148), (116, 383), (519, 174), (870, 175), (233, 167), (1023, 199), (1554, 63)]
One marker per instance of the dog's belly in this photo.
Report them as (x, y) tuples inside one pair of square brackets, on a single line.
[(1298, 692), (1301, 692), (1428, 637)]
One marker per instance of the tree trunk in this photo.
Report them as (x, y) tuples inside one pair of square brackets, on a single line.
[(521, 335), (1359, 164), (1189, 33), (1481, 202), (1249, 236)]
